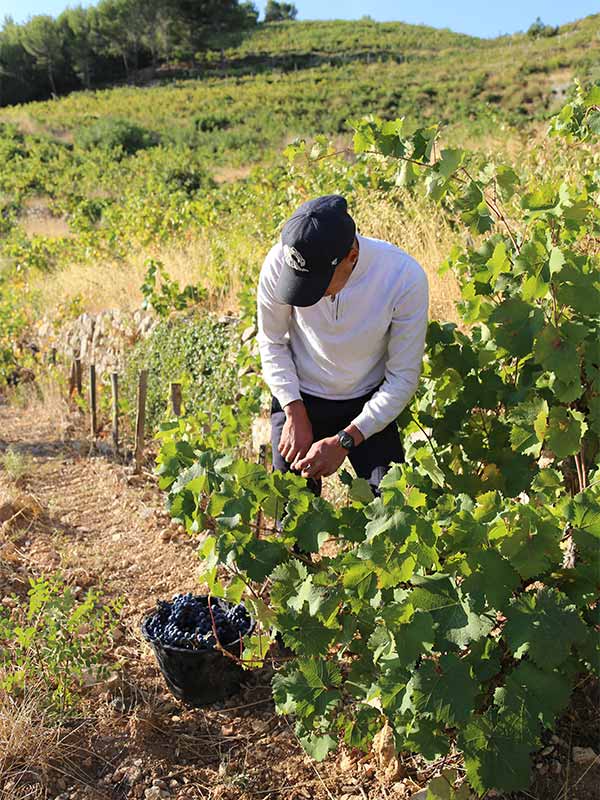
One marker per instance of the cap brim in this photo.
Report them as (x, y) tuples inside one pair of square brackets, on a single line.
[(301, 288)]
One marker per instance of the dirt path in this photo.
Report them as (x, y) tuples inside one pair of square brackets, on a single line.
[(100, 526)]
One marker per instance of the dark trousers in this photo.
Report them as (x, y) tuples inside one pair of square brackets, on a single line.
[(371, 459)]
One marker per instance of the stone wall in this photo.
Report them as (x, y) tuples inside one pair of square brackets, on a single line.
[(103, 338)]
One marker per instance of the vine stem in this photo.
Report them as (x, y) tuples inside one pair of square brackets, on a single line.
[(580, 477), (497, 210), (583, 470), (426, 435)]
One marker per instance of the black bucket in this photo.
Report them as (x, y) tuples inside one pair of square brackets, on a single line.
[(198, 677)]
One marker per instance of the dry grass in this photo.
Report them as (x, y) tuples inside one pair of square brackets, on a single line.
[(221, 261), (217, 263), (37, 219), (424, 233), (51, 227), (31, 747), (231, 174), (16, 464)]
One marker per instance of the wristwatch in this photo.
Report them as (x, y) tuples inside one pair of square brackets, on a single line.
[(345, 439)]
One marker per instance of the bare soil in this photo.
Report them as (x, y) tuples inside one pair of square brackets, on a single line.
[(99, 525)]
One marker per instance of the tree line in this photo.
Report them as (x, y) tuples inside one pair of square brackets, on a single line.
[(84, 47)]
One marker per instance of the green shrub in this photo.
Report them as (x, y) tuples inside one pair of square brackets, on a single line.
[(51, 640), (197, 351), (112, 133)]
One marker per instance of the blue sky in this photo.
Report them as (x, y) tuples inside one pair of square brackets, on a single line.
[(466, 16)]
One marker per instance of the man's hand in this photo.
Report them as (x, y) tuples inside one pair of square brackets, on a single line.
[(297, 433), (322, 459)]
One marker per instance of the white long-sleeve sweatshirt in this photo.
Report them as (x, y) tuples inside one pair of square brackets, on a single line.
[(373, 332)]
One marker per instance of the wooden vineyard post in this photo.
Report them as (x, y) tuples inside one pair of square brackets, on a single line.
[(77, 369), (72, 380), (114, 382), (176, 398), (93, 404), (262, 460), (75, 377), (140, 419)]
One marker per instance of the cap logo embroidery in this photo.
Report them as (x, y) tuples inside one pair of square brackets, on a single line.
[(294, 259), (334, 262)]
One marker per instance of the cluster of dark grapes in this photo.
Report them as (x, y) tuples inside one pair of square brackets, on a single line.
[(187, 622)]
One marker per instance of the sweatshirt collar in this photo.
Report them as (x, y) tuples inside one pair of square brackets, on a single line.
[(362, 262)]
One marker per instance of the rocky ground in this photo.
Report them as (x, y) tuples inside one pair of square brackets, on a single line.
[(99, 525)]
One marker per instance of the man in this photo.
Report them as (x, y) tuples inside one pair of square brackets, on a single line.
[(342, 320)]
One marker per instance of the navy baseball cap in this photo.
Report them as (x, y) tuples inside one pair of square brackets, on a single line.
[(318, 235)]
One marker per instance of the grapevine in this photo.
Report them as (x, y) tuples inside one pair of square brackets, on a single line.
[(460, 606)]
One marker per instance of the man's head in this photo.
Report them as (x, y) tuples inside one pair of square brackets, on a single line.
[(320, 248)]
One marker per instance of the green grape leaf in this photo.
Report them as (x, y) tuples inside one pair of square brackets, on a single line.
[(422, 735), (584, 513), (543, 626), (450, 161), (496, 748), (314, 526), (305, 634), (492, 581), (557, 353), (390, 564), (444, 689), (361, 491), (260, 557), (428, 464), (530, 544), (442, 788), (535, 695), (415, 637), (309, 689), (566, 428), (318, 747), (529, 422), (511, 326), (455, 623)]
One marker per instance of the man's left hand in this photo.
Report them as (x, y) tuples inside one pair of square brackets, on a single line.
[(322, 459)]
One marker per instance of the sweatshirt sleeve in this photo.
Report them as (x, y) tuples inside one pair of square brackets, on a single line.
[(279, 370), (404, 357)]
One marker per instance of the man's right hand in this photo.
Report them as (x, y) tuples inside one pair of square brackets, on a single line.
[(297, 433)]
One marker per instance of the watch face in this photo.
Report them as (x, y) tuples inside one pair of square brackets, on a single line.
[(346, 440)]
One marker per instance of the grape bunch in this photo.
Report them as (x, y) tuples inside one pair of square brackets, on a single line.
[(188, 622)]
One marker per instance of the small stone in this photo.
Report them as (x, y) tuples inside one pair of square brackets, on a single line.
[(227, 730), (153, 793), (547, 750), (542, 768), (420, 795), (584, 755), (160, 783), (346, 763), (133, 774), (249, 333), (175, 718)]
